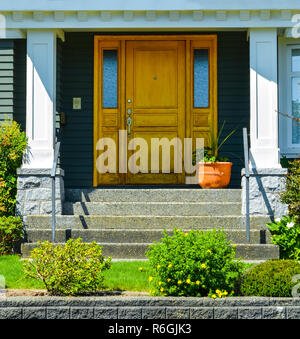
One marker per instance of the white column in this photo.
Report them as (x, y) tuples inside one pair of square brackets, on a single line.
[(41, 97), (264, 99)]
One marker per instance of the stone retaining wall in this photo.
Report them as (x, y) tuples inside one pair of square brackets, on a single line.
[(113, 307)]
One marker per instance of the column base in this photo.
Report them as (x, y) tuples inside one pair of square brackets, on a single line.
[(34, 195), (265, 187)]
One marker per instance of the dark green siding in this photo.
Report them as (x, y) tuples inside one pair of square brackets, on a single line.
[(13, 80), (59, 93), (77, 135), (7, 54), (234, 96), (20, 83), (77, 81)]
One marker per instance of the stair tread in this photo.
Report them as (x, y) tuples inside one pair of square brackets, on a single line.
[(150, 243), (125, 221), (147, 216), (145, 222), (137, 250), (153, 203), (154, 194), (139, 230)]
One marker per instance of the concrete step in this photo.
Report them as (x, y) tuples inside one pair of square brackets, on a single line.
[(133, 236), (153, 208), (195, 194), (144, 222), (137, 250)]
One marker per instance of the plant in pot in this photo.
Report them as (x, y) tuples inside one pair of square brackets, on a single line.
[(213, 171)]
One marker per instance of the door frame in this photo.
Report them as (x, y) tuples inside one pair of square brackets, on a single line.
[(193, 116)]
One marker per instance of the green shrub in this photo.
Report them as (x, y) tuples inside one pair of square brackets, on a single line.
[(69, 269), (198, 263), (291, 195), (286, 234), (11, 231), (13, 144), (272, 278)]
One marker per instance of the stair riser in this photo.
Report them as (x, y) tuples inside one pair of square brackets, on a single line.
[(153, 195), (133, 222), (137, 251), (152, 209), (145, 236)]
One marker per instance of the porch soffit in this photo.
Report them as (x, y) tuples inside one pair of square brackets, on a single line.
[(141, 5), (146, 19)]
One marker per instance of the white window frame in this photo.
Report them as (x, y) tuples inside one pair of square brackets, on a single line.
[(285, 47)]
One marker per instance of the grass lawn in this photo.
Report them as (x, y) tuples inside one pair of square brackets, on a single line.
[(11, 267), (123, 275)]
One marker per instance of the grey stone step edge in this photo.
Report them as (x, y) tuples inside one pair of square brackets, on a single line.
[(152, 194), (133, 235), (145, 222), (145, 307), (137, 250), (152, 208)]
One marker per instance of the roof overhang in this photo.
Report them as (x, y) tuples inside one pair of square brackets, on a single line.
[(148, 14), (142, 5)]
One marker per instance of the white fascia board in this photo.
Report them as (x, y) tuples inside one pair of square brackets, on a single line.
[(141, 5), (117, 20)]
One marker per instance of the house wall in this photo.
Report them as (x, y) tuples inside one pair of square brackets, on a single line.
[(13, 80), (20, 83), (59, 98), (77, 81), (75, 78), (77, 134), (7, 55), (234, 96)]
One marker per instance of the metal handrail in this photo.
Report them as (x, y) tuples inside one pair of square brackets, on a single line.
[(247, 176), (53, 176)]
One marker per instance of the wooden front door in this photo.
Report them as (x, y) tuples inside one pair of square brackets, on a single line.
[(155, 106), (151, 92)]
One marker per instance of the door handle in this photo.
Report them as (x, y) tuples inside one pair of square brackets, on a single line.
[(129, 122)]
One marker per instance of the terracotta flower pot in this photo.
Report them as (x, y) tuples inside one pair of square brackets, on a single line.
[(214, 174)]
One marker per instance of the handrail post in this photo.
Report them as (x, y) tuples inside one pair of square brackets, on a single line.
[(53, 221), (247, 176), (53, 177)]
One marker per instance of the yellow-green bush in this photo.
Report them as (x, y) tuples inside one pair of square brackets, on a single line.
[(195, 263), (13, 144), (11, 232), (69, 269)]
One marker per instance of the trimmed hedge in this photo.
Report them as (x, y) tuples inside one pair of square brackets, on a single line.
[(272, 278)]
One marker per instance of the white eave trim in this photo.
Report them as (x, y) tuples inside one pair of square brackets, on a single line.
[(140, 5), (149, 19)]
